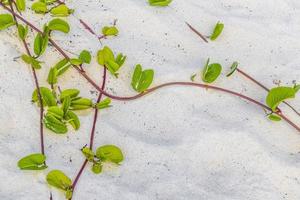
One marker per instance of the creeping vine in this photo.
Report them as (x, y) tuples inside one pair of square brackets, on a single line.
[(58, 108)]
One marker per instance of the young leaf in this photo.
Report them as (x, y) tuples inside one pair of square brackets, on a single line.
[(112, 67), (40, 44), (88, 153), (69, 92), (6, 20), (54, 124), (141, 80), (32, 61), (21, 5), (85, 56), (103, 104), (120, 59), (61, 11), (274, 117), (193, 76), (33, 162), (233, 68), (279, 94), (62, 66), (22, 31), (73, 119), (47, 97), (52, 76), (59, 25), (217, 31), (211, 72), (66, 104), (39, 7), (159, 2), (105, 55), (56, 112), (81, 104), (58, 179), (110, 153), (110, 30), (97, 168)]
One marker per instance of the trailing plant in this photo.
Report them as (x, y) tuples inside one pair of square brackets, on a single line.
[(58, 109)]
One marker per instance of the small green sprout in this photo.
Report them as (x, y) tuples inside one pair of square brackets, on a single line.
[(141, 79), (233, 68), (278, 95), (211, 72), (6, 20), (59, 180), (217, 31), (33, 162), (110, 31), (160, 3)]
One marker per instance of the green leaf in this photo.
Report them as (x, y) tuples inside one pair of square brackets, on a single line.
[(66, 104), (48, 97), (69, 92), (274, 117), (32, 61), (110, 30), (211, 72), (193, 77), (103, 104), (62, 66), (61, 11), (56, 111), (120, 59), (81, 104), (59, 25), (75, 61), (105, 55), (141, 80), (54, 124), (22, 31), (21, 5), (52, 76), (40, 44), (112, 67), (278, 95), (88, 153), (73, 119), (6, 20), (110, 153), (97, 168), (217, 31), (233, 68), (58, 179), (159, 2), (33, 162), (85, 56), (39, 7)]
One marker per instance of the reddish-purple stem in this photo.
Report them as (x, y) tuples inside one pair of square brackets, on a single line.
[(150, 90), (197, 32), (264, 87), (89, 29), (92, 136), (36, 85)]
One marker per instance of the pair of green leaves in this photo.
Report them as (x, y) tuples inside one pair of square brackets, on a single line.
[(6, 20), (31, 61), (61, 11), (110, 31), (159, 2), (107, 58), (211, 72), (106, 153), (63, 65), (59, 180), (217, 31), (33, 162), (141, 79), (278, 95), (40, 43)]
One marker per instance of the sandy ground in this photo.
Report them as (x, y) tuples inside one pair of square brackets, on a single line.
[(180, 143)]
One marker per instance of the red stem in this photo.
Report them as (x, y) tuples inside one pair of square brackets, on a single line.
[(197, 32), (92, 131), (36, 85), (150, 90), (265, 88)]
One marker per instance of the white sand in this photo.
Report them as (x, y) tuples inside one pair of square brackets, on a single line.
[(180, 143)]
